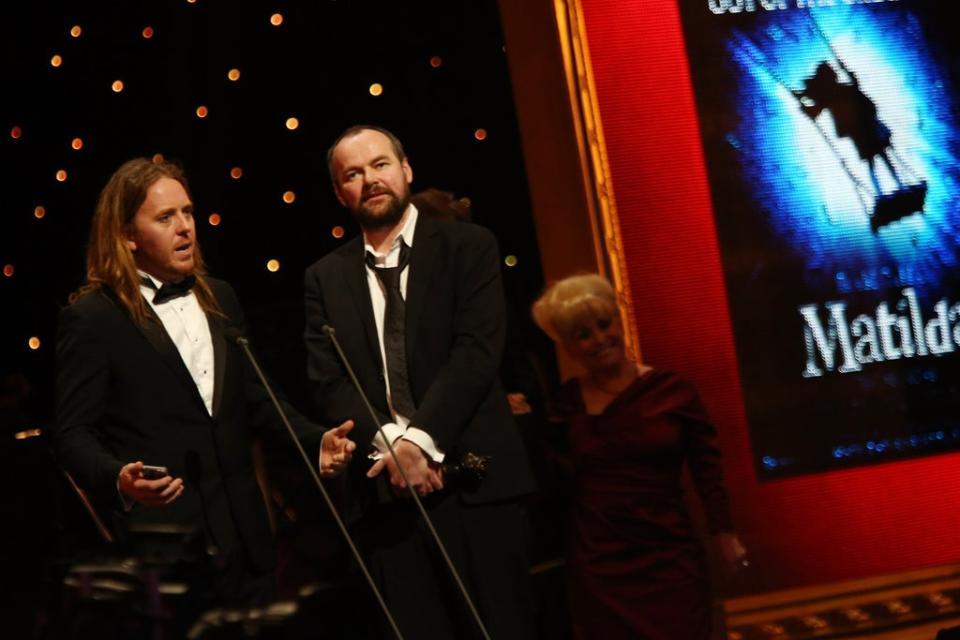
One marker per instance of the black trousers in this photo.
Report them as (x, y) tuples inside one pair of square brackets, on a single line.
[(488, 545)]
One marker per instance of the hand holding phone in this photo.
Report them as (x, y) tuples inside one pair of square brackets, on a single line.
[(151, 472), (148, 484)]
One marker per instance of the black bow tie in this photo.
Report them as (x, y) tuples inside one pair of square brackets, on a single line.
[(169, 291)]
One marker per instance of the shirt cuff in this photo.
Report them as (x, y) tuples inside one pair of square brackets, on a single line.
[(425, 441), (392, 431)]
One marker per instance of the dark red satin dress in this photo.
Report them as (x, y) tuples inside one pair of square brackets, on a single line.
[(635, 568)]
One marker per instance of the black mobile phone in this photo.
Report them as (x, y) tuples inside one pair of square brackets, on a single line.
[(151, 472)]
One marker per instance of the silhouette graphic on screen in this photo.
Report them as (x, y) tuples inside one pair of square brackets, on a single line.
[(855, 117)]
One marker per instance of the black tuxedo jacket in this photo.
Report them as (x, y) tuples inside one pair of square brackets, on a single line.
[(454, 334), (124, 394)]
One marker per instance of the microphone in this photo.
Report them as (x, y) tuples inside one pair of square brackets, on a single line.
[(233, 334), (236, 336), (331, 333)]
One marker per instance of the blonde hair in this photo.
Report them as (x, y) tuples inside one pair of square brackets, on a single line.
[(110, 262), (568, 302)]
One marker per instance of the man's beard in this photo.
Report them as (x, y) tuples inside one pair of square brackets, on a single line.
[(388, 217)]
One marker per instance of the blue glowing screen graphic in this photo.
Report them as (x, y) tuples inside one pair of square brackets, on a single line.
[(813, 185), (831, 131)]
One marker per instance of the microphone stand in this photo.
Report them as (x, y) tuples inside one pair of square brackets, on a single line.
[(245, 345), (330, 332)]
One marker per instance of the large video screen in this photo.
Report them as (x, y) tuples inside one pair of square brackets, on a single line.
[(831, 131)]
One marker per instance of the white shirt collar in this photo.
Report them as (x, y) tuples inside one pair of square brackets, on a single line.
[(156, 283), (406, 234)]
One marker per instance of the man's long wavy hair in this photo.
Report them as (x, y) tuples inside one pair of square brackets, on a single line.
[(110, 262)]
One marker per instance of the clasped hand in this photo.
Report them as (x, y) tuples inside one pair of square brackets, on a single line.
[(425, 476)]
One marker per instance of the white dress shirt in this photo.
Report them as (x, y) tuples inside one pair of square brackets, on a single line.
[(400, 427), (187, 326)]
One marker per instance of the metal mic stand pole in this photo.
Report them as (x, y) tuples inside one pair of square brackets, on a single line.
[(245, 345), (327, 329)]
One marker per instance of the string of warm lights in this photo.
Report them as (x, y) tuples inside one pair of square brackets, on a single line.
[(246, 97), (102, 88)]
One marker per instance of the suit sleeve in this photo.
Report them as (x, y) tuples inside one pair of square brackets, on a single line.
[(82, 388), (464, 381), (703, 457), (334, 395)]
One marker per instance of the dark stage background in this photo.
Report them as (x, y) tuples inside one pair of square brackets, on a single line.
[(214, 85), (443, 88)]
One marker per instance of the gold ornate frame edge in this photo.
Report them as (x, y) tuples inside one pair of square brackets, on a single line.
[(604, 219)]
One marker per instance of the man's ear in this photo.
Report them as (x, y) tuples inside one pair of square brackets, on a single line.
[(336, 192), (128, 239), (407, 170)]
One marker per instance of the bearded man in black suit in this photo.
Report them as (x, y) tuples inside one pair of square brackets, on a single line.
[(418, 307), (147, 372)]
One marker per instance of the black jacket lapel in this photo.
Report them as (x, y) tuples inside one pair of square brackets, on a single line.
[(423, 255), (355, 275), (217, 329), (153, 330)]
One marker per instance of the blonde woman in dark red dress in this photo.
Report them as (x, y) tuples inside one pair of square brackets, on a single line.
[(635, 568)]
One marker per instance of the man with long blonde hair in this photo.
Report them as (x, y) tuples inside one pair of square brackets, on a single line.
[(147, 375)]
